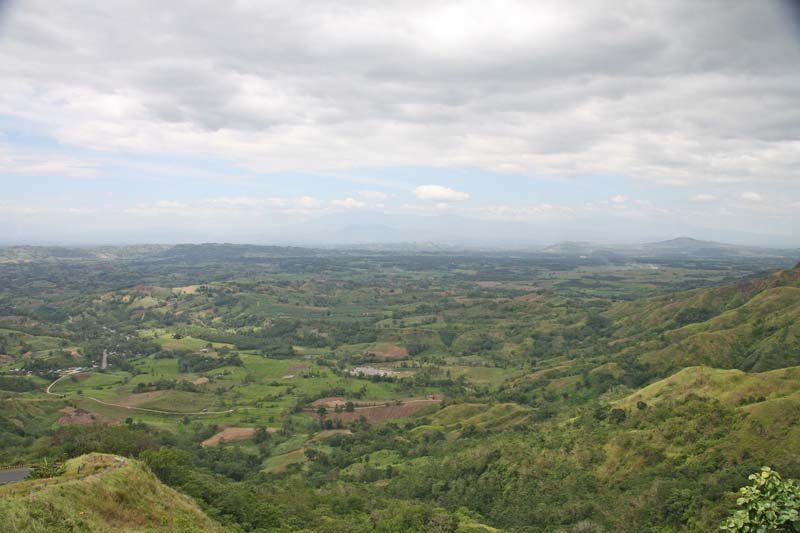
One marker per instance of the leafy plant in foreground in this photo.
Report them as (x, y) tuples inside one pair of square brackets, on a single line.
[(769, 504)]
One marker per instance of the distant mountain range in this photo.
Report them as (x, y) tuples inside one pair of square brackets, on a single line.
[(680, 248)]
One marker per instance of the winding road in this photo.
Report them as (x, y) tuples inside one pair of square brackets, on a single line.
[(131, 408)]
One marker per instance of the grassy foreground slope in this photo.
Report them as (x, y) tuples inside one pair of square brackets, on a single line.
[(100, 492)]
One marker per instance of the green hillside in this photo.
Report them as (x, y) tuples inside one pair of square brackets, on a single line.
[(753, 326), (729, 386), (99, 492)]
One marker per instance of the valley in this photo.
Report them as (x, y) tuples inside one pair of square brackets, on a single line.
[(568, 389)]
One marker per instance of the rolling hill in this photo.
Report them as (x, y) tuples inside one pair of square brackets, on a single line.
[(100, 492), (753, 326)]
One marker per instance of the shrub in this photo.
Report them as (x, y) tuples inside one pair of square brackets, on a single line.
[(769, 504)]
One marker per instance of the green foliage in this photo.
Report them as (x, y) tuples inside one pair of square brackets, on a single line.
[(690, 315), (47, 469), (200, 363), (17, 384), (71, 441), (568, 404), (769, 504)]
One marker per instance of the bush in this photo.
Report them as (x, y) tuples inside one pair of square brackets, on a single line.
[(769, 504)]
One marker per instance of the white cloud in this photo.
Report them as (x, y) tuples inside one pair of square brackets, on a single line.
[(29, 162), (308, 202), (439, 193), (349, 203), (228, 206), (753, 197), (619, 199), (702, 198)]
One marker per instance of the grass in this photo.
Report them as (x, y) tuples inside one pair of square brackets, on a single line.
[(480, 375), (276, 464), (729, 386), (482, 417), (100, 492)]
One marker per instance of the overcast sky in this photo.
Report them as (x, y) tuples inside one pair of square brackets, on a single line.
[(132, 121)]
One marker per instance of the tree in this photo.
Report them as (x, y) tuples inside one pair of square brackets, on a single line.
[(769, 504), (617, 416), (448, 335), (262, 435)]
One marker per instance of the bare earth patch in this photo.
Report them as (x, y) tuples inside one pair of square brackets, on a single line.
[(532, 297), (331, 402), (189, 289), (231, 434), (390, 351), (79, 376), (76, 416), (147, 290), (13, 318), (506, 285), (380, 413), (137, 399)]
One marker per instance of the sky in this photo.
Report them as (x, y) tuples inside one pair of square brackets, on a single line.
[(355, 121)]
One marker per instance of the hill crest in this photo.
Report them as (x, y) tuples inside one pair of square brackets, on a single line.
[(100, 492)]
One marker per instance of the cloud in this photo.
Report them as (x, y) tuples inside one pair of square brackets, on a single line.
[(698, 95), (753, 197), (349, 203), (230, 206), (439, 193), (24, 161), (669, 92), (702, 198)]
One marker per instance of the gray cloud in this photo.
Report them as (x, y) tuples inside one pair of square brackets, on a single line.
[(677, 92)]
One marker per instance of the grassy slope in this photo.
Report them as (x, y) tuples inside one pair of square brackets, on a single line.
[(753, 326), (108, 493), (766, 425), (729, 386), (667, 450), (659, 312)]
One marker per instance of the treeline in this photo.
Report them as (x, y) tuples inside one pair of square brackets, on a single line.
[(195, 363)]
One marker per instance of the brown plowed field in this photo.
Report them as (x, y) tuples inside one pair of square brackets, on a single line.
[(388, 352), (380, 413), (79, 417), (228, 435)]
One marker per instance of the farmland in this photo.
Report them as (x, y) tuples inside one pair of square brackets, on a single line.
[(408, 380)]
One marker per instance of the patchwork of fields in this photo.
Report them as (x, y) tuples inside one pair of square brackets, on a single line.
[(434, 383)]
